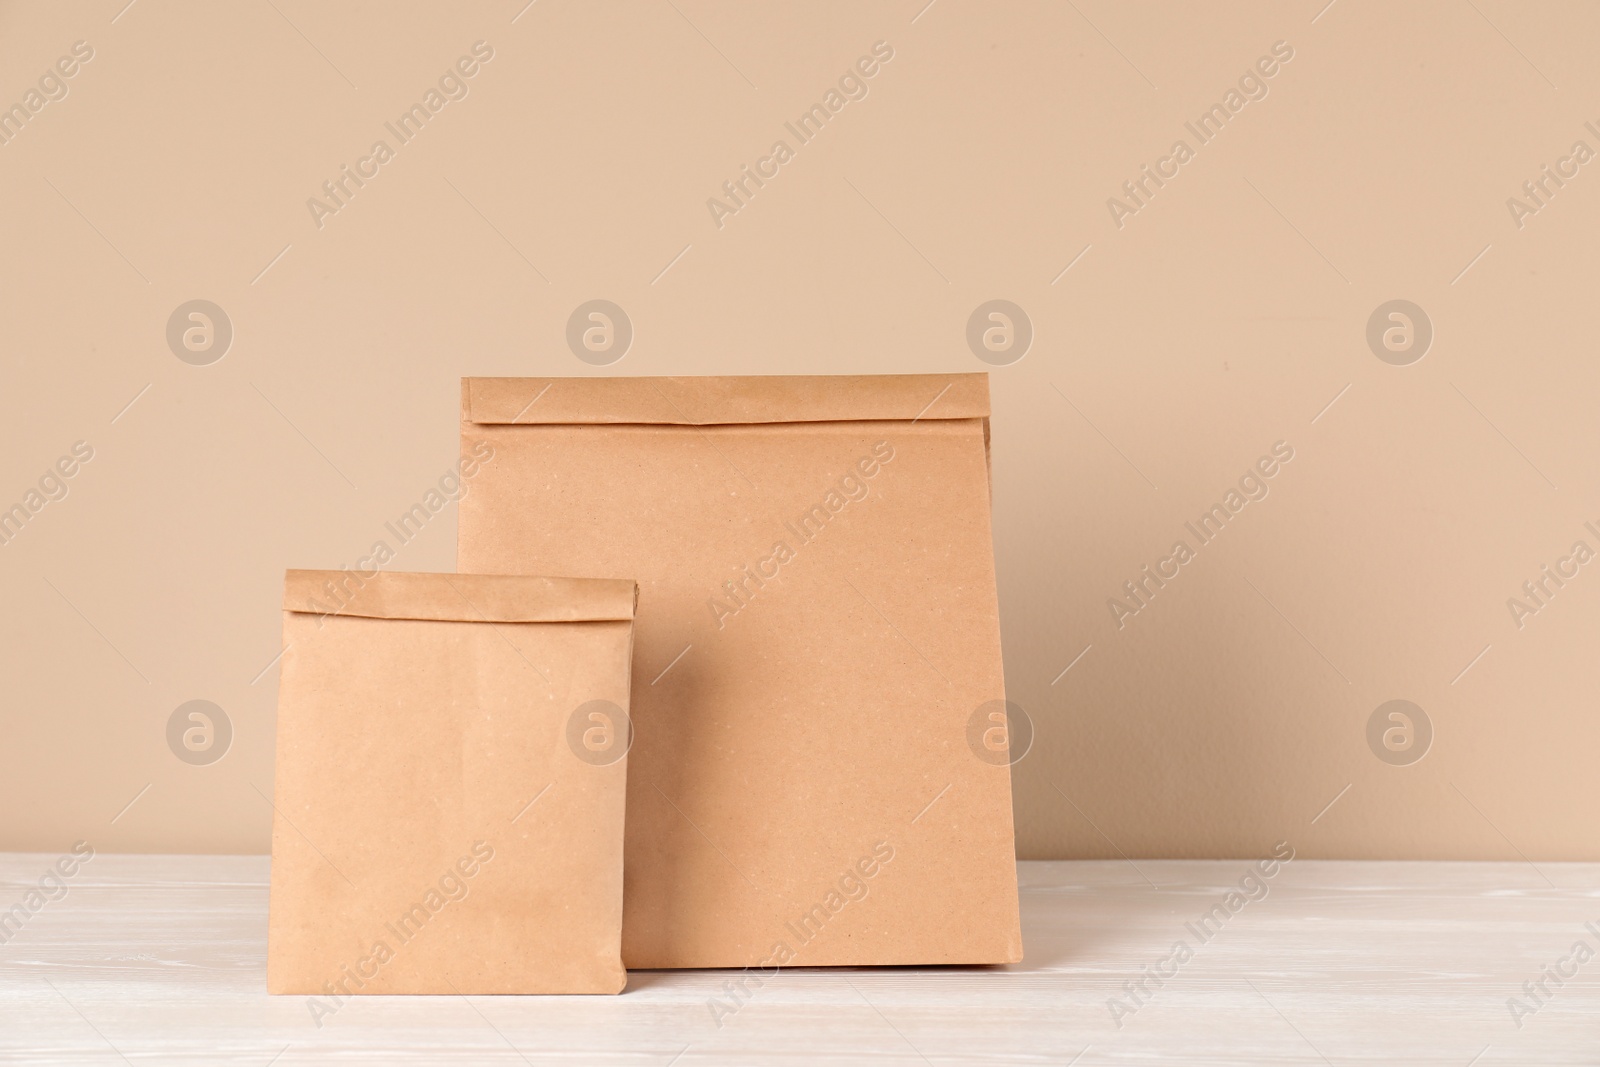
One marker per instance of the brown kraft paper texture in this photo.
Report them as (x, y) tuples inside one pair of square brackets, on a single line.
[(821, 773), (451, 770)]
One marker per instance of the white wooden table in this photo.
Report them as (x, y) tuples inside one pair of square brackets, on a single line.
[(161, 959)]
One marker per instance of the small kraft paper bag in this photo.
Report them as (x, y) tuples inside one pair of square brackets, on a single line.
[(451, 773), (821, 774)]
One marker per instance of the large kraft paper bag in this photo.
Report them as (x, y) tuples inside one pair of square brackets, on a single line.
[(820, 774), (450, 789)]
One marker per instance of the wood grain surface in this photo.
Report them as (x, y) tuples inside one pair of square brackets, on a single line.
[(161, 959)]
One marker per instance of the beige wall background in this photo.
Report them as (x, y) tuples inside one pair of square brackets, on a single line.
[(1172, 347)]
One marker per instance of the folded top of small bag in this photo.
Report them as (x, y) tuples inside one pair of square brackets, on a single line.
[(460, 597)]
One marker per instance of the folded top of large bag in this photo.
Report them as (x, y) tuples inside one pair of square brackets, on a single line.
[(725, 400)]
